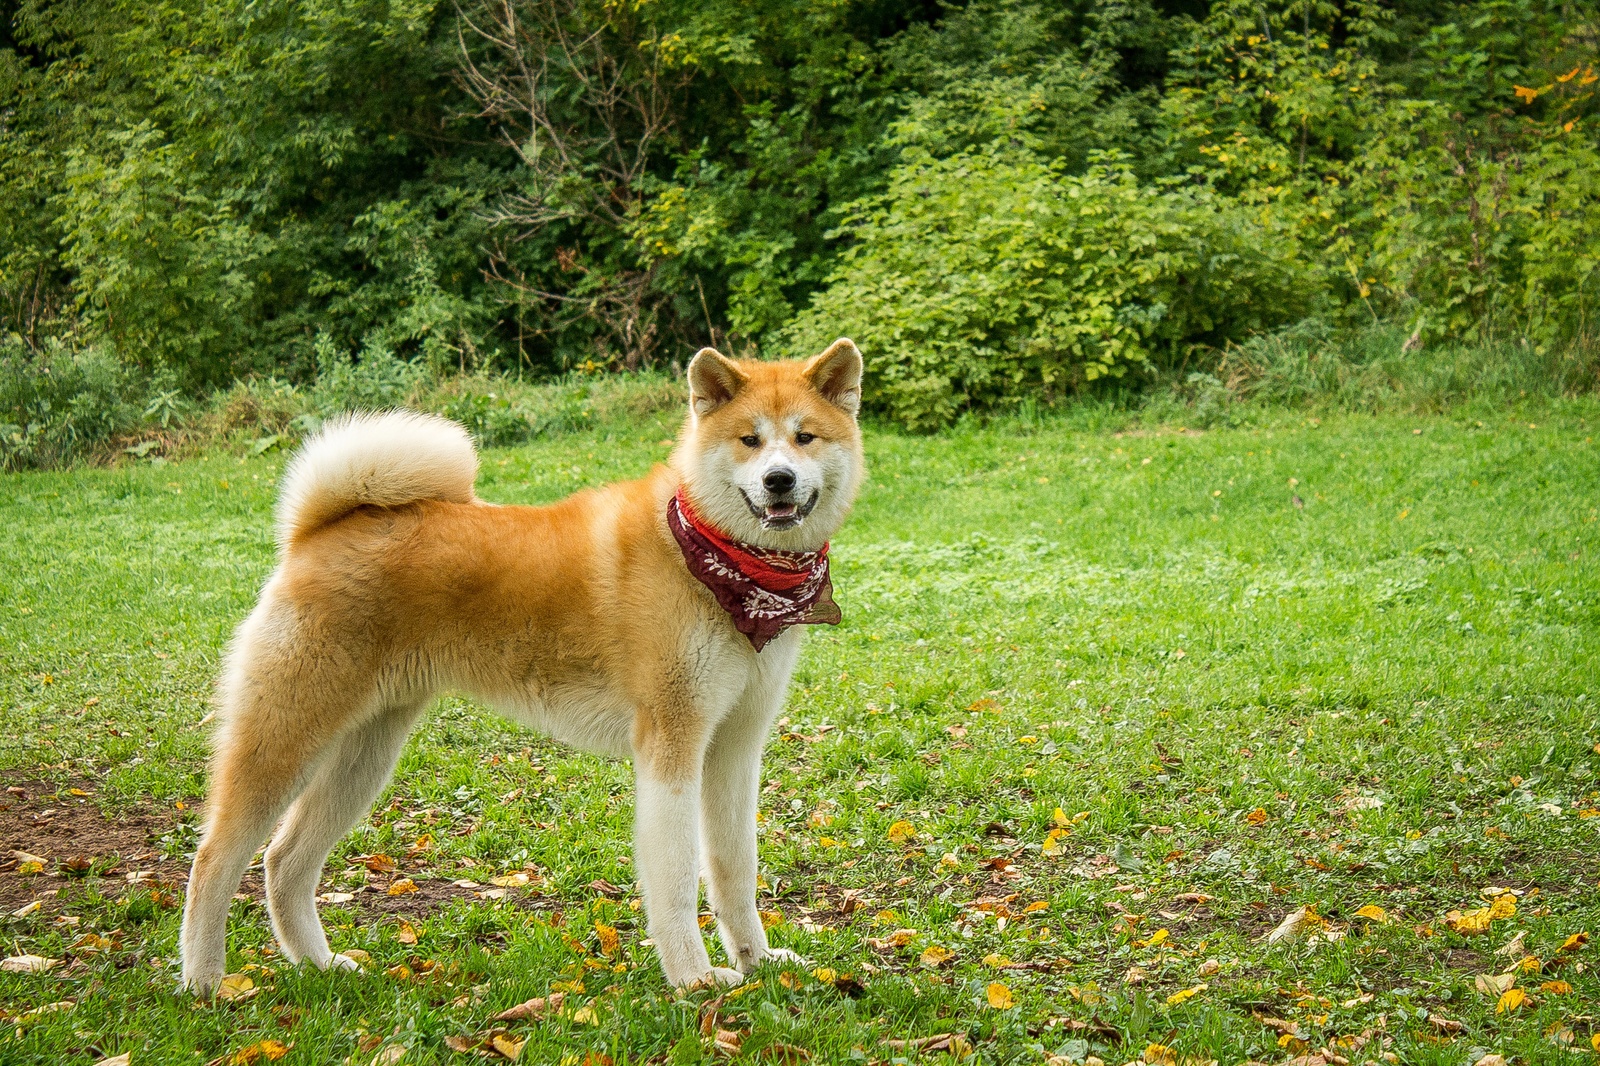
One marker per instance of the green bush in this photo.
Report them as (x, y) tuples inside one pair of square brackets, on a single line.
[(59, 401), (991, 275)]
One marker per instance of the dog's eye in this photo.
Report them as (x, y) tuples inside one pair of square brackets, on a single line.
[(750, 441), (804, 438)]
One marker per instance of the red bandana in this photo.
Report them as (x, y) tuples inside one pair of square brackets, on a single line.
[(764, 589)]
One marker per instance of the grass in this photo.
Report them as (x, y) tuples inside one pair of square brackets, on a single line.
[(1239, 706)]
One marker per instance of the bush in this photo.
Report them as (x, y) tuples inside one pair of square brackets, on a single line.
[(59, 401), (991, 275)]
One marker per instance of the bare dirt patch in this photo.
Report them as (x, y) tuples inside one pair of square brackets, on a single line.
[(53, 839)]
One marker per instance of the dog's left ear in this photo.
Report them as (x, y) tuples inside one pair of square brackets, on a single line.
[(836, 373)]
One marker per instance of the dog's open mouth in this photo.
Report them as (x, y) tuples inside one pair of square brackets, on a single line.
[(782, 515)]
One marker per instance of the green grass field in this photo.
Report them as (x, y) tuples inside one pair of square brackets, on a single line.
[(1104, 710)]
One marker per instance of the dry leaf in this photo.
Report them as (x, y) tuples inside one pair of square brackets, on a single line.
[(236, 987), (1156, 938), (531, 1008), (1036, 906), (515, 879), (1000, 997), (1448, 1026), (1257, 816), (902, 832), (401, 887), (1511, 999), (785, 1053), (407, 933), (1556, 988), (265, 1051), (1494, 984), (935, 956), (27, 909), (727, 1041), (1574, 942), (1512, 949), (1503, 907), (610, 942), (1470, 923), (1374, 913), (1491, 1060), (1160, 1055), (1052, 848), (378, 864), (117, 1060), (28, 964), (1295, 925), (1186, 994), (509, 1047)]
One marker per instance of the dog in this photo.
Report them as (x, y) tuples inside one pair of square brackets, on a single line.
[(658, 619)]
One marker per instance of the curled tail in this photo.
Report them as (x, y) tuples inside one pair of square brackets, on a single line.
[(386, 459)]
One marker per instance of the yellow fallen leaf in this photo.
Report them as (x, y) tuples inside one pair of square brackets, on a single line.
[(1574, 942), (1503, 907), (825, 974), (407, 933), (1510, 999), (1156, 938), (265, 1051), (1373, 913), (1160, 1055), (1036, 906), (124, 1059), (1060, 817), (935, 955), (509, 1047), (1000, 997), (1052, 843), (998, 961), (27, 909), (30, 866), (586, 1016), (236, 986), (1556, 988), (610, 942), (402, 886), (1470, 923), (1257, 816), (1186, 994), (901, 832), (515, 879), (770, 919)]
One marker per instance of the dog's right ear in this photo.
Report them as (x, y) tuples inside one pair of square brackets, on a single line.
[(713, 381)]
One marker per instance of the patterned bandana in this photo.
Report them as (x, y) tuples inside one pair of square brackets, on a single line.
[(764, 589)]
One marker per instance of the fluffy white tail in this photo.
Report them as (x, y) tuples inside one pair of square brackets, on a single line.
[(384, 459)]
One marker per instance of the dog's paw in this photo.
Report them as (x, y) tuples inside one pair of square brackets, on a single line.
[(342, 962), (717, 978), (200, 985)]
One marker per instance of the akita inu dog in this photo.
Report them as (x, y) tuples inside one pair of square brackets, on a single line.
[(655, 618)]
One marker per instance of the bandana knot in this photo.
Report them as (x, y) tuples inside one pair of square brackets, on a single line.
[(765, 590)]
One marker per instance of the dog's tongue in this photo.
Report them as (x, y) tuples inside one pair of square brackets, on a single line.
[(781, 510)]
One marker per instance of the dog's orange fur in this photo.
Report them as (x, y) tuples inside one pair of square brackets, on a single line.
[(579, 617)]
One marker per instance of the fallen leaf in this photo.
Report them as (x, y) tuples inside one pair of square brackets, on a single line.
[(1160, 1055), (1512, 948), (407, 933), (955, 1043), (236, 987), (509, 1047), (378, 864), (1491, 1060), (1257, 816), (1036, 906), (1574, 942), (1373, 913), (1470, 923), (1156, 938), (1494, 984), (1503, 907), (1052, 848), (785, 1053), (1445, 1025), (117, 1060), (935, 956), (27, 909), (1295, 925), (535, 1008), (401, 887), (727, 1041), (389, 1055), (1186, 994), (1556, 988), (901, 832), (610, 942), (1000, 997), (516, 879), (1192, 897), (1511, 999), (265, 1051), (28, 964)]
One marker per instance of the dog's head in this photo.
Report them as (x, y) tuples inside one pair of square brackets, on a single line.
[(771, 453)]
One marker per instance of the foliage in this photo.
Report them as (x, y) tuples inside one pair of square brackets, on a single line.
[(58, 401), (547, 185), (987, 276)]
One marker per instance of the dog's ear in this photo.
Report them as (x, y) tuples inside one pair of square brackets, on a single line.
[(836, 373), (713, 381)]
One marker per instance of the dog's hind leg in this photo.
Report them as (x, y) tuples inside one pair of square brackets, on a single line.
[(346, 783), (254, 775)]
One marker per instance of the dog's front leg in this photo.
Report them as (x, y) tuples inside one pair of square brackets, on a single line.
[(667, 854)]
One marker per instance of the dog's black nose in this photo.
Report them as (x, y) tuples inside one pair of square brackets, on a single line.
[(780, 480)]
